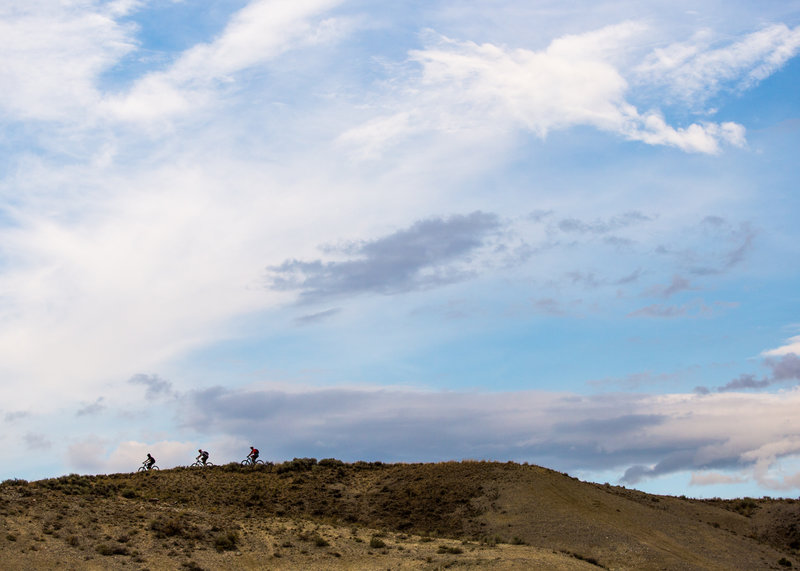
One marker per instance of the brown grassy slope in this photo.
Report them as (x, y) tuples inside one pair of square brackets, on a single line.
[(330, 511)]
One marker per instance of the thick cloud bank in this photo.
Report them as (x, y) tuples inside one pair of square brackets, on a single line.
[(642, 436)]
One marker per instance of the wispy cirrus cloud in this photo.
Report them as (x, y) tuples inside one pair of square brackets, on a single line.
[(53, 54), (698, 69), (155, 386), (92, 408), (259, 32), (677, 285), (694, 308), (717, 247), (318, 316), (600, 226)]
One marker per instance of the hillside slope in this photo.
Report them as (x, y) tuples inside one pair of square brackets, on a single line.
[(330, 515)]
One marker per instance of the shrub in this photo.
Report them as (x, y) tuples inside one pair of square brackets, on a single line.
[(784, 562), (745, 506), (226, 541), (167, 527), (297, 465), (15, 482), (451, 550), (376, 542), (107, 550)]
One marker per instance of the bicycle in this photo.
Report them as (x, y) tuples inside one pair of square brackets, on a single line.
[(250, 462), (199, 464), (145, 468)]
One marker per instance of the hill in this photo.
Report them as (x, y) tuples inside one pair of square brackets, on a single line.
[(330, 515)]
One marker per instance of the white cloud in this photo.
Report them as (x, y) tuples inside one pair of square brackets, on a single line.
[(259, 32), (121, 291), (575, 81), (715, 478), (652, 129), (695, 70), (53, 53), (97, 456), (792, 346), (561, 86)]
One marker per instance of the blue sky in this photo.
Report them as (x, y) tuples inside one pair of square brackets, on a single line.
[(424, 231)]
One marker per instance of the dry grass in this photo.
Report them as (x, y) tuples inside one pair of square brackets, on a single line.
[(331, 515)]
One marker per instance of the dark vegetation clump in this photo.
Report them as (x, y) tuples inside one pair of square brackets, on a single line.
[(167, 527), (449, 549), (226, 541), (313, 537), (108, 550), (174, 526), (14, 482), (745, 506), (297, 465)]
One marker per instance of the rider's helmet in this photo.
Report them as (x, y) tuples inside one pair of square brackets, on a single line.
[(200, 450)]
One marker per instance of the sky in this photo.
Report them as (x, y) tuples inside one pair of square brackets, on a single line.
[(533, 231)]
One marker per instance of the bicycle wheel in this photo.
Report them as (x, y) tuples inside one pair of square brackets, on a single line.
[(155, 468), (208, 464), (196, 464), (245, 462), (142, 469)]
